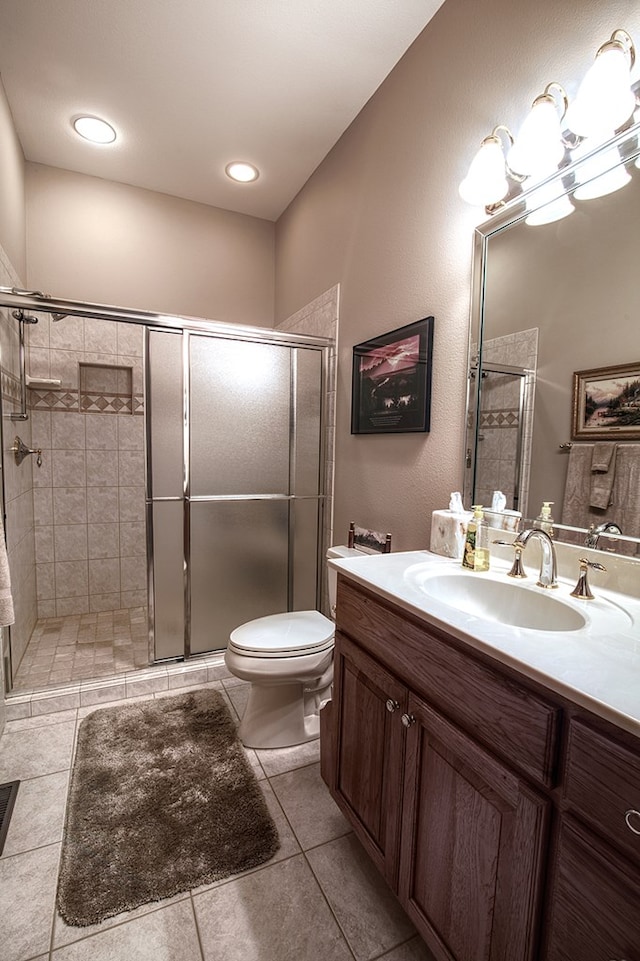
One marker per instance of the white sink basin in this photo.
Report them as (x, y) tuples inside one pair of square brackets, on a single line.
[(504, 601)]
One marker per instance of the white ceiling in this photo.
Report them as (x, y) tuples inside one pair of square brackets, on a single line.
[(192, 84)]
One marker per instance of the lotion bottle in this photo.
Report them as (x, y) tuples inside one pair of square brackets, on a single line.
[(544, 520), (476, 548)]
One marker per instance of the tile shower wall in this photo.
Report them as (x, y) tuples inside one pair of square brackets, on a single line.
[(320, 319), (89, 505), (500, 418), (18, 483)]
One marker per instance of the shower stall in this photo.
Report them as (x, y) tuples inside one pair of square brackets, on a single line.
[(181, 489)]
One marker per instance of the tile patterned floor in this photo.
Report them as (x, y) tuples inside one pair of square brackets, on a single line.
[(318, 899), (81, 646)]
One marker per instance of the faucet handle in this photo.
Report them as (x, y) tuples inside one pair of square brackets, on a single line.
[(582, 588), (517, 570)]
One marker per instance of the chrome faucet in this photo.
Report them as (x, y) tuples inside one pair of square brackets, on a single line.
[(593, 534), (548, 569)]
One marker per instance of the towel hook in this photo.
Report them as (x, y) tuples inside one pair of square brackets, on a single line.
[(20, 451)]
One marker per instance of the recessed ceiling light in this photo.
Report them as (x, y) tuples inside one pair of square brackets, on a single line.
[(94, 129), (243, 172)]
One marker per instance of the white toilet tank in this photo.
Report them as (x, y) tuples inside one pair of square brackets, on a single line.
[(340, 550)]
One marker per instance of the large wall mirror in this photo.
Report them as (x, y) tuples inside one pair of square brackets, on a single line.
[(551, 299)]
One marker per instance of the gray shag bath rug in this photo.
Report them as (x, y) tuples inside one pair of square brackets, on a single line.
[(162, 799)]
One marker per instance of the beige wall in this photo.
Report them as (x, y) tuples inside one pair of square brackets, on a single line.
[(95, 240), (382, 217), (12, 213)]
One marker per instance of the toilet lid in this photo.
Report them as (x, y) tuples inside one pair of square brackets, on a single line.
[(295, 633)]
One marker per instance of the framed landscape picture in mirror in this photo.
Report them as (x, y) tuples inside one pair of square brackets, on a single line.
[(391, 389), (606, 403)]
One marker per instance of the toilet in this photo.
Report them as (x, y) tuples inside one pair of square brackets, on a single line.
[(288, 659)]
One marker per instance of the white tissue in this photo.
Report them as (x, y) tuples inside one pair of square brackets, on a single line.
[(455, 503), (499, 501)]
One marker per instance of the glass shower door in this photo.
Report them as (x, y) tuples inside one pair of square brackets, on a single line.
[(239, 484), (238, 430)]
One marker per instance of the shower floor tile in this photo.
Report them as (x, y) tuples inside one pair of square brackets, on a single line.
[(78, 647)]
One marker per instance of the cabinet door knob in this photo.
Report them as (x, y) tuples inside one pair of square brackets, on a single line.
[(392, 705), (408, 720), (629, 816)]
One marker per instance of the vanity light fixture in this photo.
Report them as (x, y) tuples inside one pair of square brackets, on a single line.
[(486, 183), (605, 100), (242, 172), (94, 129)]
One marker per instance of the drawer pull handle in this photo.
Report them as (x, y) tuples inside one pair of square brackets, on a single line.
[(392, 705), (408, 720), (629, 817)]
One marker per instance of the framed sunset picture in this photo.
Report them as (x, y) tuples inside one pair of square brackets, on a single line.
[(391, 387)]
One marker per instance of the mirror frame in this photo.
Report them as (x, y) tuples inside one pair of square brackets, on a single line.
[(512, 213)]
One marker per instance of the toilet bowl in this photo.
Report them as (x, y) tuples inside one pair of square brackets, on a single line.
[(288, 660)]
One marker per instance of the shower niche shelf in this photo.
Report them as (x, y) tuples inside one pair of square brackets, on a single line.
[(106, 389)]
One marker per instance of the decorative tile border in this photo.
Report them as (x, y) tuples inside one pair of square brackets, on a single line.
[(10, 386), (52, 399), (95, 403), (99, 403), (499, 418)]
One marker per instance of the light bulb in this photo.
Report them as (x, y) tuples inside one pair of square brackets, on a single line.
[(546, 205), (94, 129), (601, 174), (242, 172), (486, 182), (539, 142), (605, 98)]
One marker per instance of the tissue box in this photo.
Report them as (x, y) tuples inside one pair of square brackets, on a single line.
[(506, 520), (448, 530)]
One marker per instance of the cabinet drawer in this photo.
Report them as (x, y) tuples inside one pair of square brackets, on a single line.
[(506, 716), (602, 785)]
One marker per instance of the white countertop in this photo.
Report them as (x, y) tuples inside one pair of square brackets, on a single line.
[(597, 666)]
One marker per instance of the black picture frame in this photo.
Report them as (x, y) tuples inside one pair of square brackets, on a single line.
[(391, 385)]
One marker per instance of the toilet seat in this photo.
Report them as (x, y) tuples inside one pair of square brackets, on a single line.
[(284, 635)]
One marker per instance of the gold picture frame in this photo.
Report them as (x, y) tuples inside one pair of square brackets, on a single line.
[(606, 403)]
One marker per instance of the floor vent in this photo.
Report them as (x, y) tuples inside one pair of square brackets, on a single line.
[(7, 799)]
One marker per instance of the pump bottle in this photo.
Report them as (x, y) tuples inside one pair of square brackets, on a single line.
[(544, 520), (476, 546)]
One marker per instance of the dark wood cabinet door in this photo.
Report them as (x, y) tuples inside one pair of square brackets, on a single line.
[(594, 902), (368, 751), (473, 842)]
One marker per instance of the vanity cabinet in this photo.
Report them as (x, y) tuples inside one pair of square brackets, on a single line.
[(499, 815), (457, 833)]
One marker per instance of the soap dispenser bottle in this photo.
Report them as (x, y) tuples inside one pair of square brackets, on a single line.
[(544, 520), (476, 546)]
